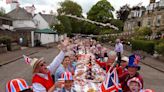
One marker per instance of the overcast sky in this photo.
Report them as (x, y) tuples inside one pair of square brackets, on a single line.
[(48, 5)]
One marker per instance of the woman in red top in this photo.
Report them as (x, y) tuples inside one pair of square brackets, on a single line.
[(122, 68), (110, 61)]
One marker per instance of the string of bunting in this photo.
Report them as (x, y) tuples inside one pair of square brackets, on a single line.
[(129, 33), (93, 22)]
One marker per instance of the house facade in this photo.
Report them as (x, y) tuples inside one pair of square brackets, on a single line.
[(43, 22), (23, 25), (152, 17), (134, 18), (6, 27)]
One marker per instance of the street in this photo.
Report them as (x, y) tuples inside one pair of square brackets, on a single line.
[(153, 79)]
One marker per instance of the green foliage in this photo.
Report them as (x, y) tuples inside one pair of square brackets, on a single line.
[(112, 39), (123, 12), (117, 23), (147, 46), (69, 25), (89, 28), (160, 48), (159, 33), (144, 31), (101, 11), (65, 21), (140, 38), (7, 41), (106, 31), (59, 28), (2, 11), (70, 7)]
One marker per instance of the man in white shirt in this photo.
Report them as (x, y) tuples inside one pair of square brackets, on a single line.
[(118, 50)]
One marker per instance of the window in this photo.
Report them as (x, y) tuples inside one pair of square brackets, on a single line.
[(149, 22), (158, 20), (139, 23)]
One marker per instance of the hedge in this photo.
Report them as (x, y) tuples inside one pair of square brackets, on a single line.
[(6, 40), (147, 46), (160, 48)]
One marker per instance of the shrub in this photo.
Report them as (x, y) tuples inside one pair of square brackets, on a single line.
[(147, 46), (6, 40), (159, 41), (144, 31), (160, 48)]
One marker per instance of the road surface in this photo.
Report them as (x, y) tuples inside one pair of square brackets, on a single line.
[(153, 79)]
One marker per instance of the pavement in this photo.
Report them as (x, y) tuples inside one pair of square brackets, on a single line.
[(153, 78), (10, 56)]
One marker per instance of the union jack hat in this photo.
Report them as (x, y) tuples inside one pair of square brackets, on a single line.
[(148, 90), (67, 76), (16, 85), (135, 79), (134, 61)]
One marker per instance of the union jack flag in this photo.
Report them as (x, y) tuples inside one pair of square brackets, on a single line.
[(111, 83), (27, 59), (137, 59)]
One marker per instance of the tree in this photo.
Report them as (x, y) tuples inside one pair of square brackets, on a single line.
[(65, 21), (101, 11), (2, 11), (70, 7), (117, 23), (70, 25), (59, 28), (123, 13)]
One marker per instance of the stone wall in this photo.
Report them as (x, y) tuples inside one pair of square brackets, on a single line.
[(3, 49)]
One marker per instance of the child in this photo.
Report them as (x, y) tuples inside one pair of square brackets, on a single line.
[(68, 82), (18, 85), (134, 85)]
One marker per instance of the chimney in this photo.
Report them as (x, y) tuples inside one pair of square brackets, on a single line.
[(14, 4), (152, 1)]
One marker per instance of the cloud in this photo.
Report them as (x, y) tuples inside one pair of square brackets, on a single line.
[(85, 4)]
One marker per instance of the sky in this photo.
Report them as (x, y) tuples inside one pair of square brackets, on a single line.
[(49, 5)]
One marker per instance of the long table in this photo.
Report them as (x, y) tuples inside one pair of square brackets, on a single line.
[(81, 82)]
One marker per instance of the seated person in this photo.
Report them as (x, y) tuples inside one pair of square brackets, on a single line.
[(134, 85), (123, 66), (68, 82), (63, 68), (110, 61), (18, 85)]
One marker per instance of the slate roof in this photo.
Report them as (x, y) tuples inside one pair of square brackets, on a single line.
[(19, 14), (49, 18)]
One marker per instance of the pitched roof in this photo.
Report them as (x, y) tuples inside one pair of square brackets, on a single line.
[(49, 18), (20, 13)]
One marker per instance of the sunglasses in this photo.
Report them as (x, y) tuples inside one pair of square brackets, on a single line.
[(42, 64)]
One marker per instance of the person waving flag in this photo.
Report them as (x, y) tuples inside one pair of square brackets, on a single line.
[(111, 82)]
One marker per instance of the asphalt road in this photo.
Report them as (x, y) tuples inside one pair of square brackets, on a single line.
[(153, 79)]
